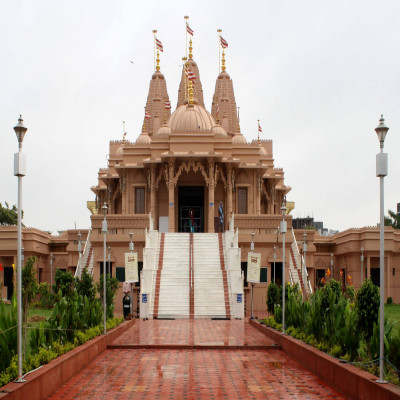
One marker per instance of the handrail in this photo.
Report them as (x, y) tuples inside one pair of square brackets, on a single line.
[(82, 257), (304, 272)]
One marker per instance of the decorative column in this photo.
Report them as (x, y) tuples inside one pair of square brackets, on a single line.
[(153, 191), (228, 196), (171, 195), (210, 195), (258, 196)]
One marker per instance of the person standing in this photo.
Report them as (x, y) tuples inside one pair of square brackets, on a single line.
[(221, 216)]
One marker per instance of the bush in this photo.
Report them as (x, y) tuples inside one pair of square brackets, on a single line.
[(8, 339), (64, 282), (367, 308), (272, 297), (47, 298), (85, 285), (389, 300)]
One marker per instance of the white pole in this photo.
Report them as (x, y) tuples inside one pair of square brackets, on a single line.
[(283, 230), (362, 266), (104, 267)]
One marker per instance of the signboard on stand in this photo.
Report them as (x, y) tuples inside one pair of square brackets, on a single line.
[(253, 267), (131, 267)]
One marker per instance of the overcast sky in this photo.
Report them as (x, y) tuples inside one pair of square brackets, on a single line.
[(317, 74)]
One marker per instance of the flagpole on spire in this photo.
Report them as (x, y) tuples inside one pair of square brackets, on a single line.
[(123, 128), (259, 131), (154, 33), (219, 50), (186, 24)]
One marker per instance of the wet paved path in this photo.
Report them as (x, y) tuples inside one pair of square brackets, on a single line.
[(237, 362)]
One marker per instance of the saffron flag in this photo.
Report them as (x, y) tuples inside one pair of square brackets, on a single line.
[(188, 29), (13, 266), (224, 43), (1, 267), (167, 105), (259, 128), (159, 45), (147, 115)]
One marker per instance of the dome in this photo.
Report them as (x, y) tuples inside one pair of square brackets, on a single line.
[(191, 118), (143, 138), (120, 151), (239, 139), (219, 130), (164, 130)]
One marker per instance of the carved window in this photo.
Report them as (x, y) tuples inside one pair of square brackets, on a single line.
[(242, 200), (139, 200)]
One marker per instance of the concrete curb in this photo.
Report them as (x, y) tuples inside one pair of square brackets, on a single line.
[(348, 379), (42, 383)]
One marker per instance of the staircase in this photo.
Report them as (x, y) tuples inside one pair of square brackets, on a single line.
[(86, 260), (298, 270), (190, 284), (171, 286), (210, 287)]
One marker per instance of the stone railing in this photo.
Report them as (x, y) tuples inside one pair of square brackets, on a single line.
[(260, 223), (122, 222)]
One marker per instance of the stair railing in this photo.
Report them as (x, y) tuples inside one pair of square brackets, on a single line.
[(304, 272), (84, 256)]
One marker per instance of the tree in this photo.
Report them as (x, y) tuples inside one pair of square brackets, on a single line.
[(65, 283), (9, 216), (85, 285), (393, 220)]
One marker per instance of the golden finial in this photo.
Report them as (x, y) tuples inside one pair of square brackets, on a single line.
[(190, 49), (158, 61), (223, 60), (190, 92)]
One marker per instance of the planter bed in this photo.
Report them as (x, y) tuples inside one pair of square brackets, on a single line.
[(350, 380), (41, 383)]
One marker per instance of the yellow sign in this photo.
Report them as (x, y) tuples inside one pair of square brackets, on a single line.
[(253, 267), (131, 267)]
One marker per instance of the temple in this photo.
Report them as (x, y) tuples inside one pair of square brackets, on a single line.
[(194, 197)]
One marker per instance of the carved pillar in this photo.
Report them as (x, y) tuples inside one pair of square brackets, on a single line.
[(258, 196), (228, 196), (171, 196), (153, 191), (210, 195)]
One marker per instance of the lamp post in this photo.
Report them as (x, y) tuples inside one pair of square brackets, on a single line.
[(331, 265), (19, 171), (104, 230), (79, 252), (131, 247), (274, 261), (381, 172), (252, 284), (362, 265), (283, 230), (109, 260), (51, 271), (305, 252)]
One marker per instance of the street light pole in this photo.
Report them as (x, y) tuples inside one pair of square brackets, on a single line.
[(362, 265), (109, 260), (283, 230), (381, 172), (79, 252), (131, 247), (51, 271), (274, 261), (252, 284), (19, 171), (305, 253), (104, 230), (331, 265)]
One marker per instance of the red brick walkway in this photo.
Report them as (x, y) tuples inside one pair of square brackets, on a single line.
[(194, 374)]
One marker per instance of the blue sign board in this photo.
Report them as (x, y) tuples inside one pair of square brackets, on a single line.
[(144, 298), (239, 298)]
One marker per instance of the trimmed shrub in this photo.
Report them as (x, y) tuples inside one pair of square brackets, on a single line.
[(389, 300), (367, 308)]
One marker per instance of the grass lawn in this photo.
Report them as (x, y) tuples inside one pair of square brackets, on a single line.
[(392, 312), (35, 312)]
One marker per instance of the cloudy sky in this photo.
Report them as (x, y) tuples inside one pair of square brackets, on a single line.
[(318, 74)]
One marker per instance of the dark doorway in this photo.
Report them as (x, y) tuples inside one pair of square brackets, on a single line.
[(375, 277), (320, 277), (8, 281), (109, 266), (278, 272), (191, 197)]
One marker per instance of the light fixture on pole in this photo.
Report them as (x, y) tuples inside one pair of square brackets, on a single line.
[(104, 230), (362, 265), (283, 230), (79, 252), (331, 265), (131, 245), (381, 172), (252, 284), (19, 171), (274, 261)]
